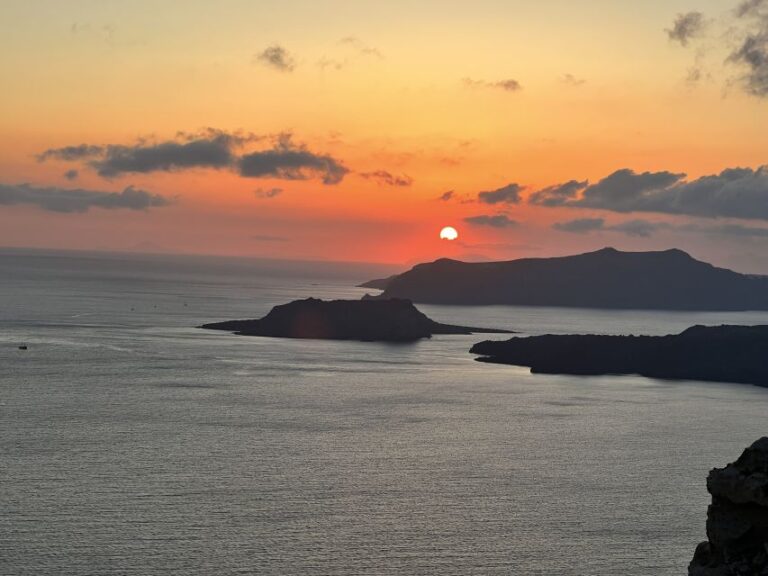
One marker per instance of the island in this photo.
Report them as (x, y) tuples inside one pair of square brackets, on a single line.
[(737, 519), (607, 278), (366, 320), (736, 354)]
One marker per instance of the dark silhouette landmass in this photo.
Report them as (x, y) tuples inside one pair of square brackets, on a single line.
[(716, 353), (608, 278), (737, 519), (378, 284), (366, 320)]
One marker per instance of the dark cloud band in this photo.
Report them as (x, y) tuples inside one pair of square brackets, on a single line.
[(210, 149), (387, 178), (734, 193), (494, 221), (70, 200), (509, 194)]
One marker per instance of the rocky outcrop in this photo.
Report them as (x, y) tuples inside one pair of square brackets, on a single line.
[(366, 320), (737, 519), (607, 278), (712, 353)]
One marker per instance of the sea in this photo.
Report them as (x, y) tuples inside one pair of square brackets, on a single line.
[(134, 443)]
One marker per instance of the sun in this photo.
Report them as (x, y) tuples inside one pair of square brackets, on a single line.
[(449, 233)]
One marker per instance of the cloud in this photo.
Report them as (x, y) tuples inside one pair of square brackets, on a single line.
[(277, 57), (361, 46), (55, 199), (626, 191), (572, 80), (752, 53), (694, 75), (685, 27), (580, 225), (495, 221), (746, 34), (289, 161), (359, 50), (639, 228), (750, 8), (209, 151), (70, 153), (645, 228), (324, 63), (734, 193), (268, 192), (733, 230), (384, 177), (509, 194), (559, 194), (508, 85), (209, 148), (738, 230), (71, 174), (446, 196)]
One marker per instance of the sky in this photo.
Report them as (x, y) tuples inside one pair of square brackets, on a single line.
[(355, 130)]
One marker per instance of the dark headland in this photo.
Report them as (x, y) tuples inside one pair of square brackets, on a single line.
[(608, 278), (717, 353), (366, 320), (737, 519)]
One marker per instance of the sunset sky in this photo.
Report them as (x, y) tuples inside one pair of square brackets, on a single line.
[(356, 130)]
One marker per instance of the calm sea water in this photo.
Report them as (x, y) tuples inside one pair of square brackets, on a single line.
[(133, 443)]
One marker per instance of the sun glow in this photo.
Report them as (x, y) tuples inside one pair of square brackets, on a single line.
[(449, 233)]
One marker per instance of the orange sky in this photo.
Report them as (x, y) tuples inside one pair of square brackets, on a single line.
[(417, 92)]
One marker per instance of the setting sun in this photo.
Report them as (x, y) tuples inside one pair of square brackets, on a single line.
[(449, 233)]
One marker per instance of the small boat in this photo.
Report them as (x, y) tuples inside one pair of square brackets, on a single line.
[(23, 347)]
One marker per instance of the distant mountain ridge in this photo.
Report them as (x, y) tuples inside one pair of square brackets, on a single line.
[(607, 278)]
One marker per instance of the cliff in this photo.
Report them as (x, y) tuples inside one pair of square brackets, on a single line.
[(737, 519)]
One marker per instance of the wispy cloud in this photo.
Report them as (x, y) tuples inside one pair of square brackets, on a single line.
[(71, 153), (744, 33), (752, 53), (387, 178), (361, 47), (507, 85), (572, 80), (268, 192), (685, 27), (277, 57)]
